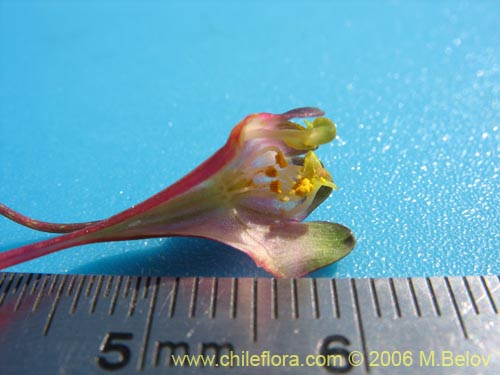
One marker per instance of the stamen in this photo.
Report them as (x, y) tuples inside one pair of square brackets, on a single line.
[(280, 159), (271, 171), (303, 187), (275, 186), (304, 203), (254, 155)]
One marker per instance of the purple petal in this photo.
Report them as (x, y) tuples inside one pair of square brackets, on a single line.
[(303, 112)]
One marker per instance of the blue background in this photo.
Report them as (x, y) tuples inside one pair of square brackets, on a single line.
[(103, 104)]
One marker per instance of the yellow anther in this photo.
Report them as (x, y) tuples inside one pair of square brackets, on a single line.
[(271, 171), (275, 186), (280, 160), (303, 187)]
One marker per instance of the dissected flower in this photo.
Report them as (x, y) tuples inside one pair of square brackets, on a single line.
[(252, 194)]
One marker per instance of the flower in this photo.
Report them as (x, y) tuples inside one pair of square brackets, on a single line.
[(252, 194)]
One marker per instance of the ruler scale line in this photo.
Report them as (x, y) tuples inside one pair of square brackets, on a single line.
[(40, 293), (2, 278), (395, 297), (294, 299), (173, 298), (314, 299), (194, 296), (376, 304), (53, 284), (274, 299), (145, 289), (233, 304), (335, 299), (359, 322), (213, 298), (107, 288), (488, 293), (6, 290), (23, 292), (114, 298), (470, 294), (97, 293), (71, 285), (74, 304), (253, 310), (455, 307), (133, 298), (54, 306), (433, 296), (90, 285), (126, 290), (19, 281), (35, 284), (149, 321), (414, 298)]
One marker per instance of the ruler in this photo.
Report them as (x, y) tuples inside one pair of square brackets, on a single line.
[(82, 324)]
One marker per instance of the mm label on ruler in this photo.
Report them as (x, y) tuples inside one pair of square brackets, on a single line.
[(60, 324)]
